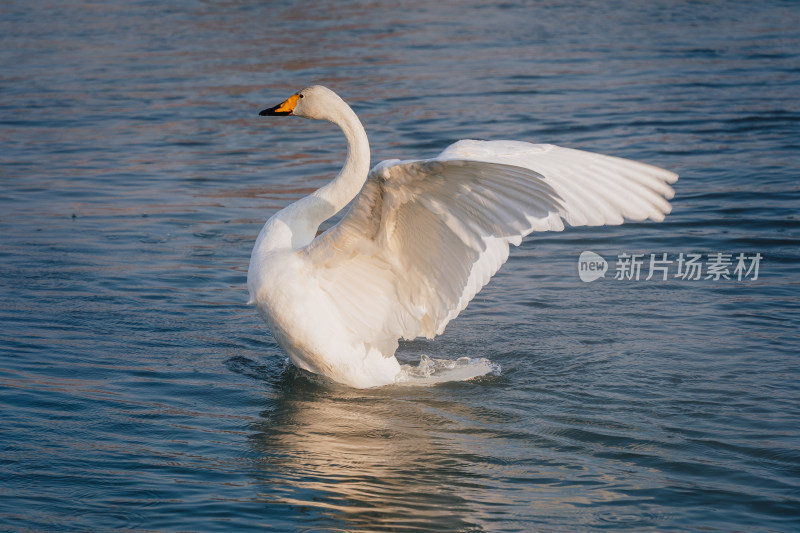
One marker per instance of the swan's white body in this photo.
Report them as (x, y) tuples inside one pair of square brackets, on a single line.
[(421, 239)]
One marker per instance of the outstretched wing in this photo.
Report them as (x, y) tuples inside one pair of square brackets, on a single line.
[(423, 237)]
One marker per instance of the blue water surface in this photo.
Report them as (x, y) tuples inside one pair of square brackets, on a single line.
[(139, 392)]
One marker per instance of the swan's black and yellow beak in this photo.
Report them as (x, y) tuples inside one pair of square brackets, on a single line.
[(286, 108)]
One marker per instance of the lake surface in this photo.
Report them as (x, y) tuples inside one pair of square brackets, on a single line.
[(139, 392)]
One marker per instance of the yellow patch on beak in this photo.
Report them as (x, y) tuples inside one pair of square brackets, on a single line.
[(286, 108), (288, 105)]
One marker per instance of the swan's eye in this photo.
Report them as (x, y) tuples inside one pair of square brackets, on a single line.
[(301, 96)]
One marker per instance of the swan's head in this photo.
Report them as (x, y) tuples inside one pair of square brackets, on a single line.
[(316, 102)]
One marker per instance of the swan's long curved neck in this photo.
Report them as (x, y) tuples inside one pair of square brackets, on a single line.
[(347, 184), (297, 225)]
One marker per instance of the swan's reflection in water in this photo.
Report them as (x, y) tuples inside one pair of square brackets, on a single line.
[(364, 459)]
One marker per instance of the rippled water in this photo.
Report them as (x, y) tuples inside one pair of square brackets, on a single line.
[(139, 392)]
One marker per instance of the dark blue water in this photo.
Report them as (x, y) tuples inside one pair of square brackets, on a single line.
[(138, 392)]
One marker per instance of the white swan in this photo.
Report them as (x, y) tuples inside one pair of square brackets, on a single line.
[(420, 239)]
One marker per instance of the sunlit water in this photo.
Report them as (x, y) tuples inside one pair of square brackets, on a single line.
[(138, 391)]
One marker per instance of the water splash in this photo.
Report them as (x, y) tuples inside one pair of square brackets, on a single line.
[(431, 371)]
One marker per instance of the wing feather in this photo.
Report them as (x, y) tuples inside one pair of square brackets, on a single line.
[(423, 237)]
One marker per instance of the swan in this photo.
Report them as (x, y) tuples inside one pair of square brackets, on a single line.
[(420, 239)]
